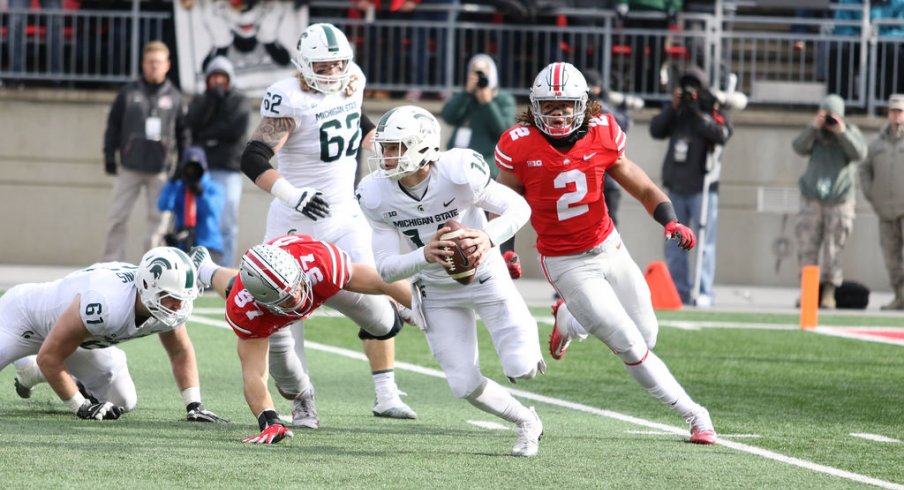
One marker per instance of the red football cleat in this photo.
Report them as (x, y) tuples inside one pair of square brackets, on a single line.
[(558, 339), (514, 264), (702, 431)]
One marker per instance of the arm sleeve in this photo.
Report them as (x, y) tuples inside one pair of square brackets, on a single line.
[(661, 124), (867, 175), (114, 127), (167, 199), (853, 144), (391, 264), (512, 209), (366, 124), (803, 144)]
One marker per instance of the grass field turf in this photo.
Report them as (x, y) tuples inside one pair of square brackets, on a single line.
[(800, 393)]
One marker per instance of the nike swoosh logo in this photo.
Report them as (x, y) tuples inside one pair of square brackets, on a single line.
[(588, 157), (484, 279), (447, 203)]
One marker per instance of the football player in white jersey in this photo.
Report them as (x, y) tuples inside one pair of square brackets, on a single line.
[(72, 324), (407, 200), (313, 122)]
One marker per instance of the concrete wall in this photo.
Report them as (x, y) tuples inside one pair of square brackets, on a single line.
[(55, 196)]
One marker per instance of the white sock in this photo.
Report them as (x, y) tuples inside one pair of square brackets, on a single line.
[(653, 375), (28, 372), (495, 399), (385, 385)]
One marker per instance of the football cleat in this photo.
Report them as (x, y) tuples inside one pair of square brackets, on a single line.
[(560, 337), (702, 431), (304, 410), (513, 262), (22, 390), (529, 434), (393, 407)]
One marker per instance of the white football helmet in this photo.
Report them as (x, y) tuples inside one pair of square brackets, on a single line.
[(559, 81), (167, 272), (274, 277), (415, 135), (323, 43)]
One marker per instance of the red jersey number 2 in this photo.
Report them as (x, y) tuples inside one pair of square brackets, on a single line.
[(564, 207)]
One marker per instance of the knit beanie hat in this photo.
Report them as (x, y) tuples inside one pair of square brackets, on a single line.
[(833, 103)]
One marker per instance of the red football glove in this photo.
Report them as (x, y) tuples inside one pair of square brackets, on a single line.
[(271, 435), (513, 262), (683, 234)]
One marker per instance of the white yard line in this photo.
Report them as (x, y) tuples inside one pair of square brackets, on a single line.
[(875, 437), (484, 424), (649, 424)]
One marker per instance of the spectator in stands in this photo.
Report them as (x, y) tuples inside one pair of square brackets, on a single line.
[(479, 115), (218, 120), (195, 201), (696, 127), (51, 11), (646, 50), (146, 126), (827, 191), (882, 180)]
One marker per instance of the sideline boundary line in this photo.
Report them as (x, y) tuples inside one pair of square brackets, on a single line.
[(764, 453)]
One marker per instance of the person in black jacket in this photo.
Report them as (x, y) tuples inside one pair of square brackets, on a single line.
[(146, 126), (218, 120), (696, 128)]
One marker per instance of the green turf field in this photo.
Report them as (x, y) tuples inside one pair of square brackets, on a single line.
[(784, 402)]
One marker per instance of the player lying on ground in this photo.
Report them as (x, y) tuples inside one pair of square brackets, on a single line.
[(277, 284), (72, 324)]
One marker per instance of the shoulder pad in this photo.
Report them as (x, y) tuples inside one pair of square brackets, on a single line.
[(368, 193), (467, 167)]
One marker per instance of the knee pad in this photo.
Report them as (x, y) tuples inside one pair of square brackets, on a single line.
[(635, 355), (532, 373), (396, 328)]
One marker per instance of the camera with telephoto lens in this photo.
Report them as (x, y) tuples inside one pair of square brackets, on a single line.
[(831, 120), (482, 80)]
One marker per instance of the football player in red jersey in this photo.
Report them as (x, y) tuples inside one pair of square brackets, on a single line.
[(279, 283), (557, 157)]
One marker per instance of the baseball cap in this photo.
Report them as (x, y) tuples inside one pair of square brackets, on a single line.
[(896, 101)]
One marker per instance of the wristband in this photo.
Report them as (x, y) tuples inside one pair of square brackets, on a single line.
[(268, 417), (664, 213), (75, 402), (284, 191), (191, 395)]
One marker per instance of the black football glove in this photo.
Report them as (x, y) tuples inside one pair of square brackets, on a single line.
[(197, 413), (312, 204), (99, 411)]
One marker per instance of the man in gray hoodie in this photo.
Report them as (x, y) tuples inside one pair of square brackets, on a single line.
[(827, 192), (882, 180)]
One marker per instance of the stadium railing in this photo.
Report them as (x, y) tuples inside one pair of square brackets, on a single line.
[(428, 50)]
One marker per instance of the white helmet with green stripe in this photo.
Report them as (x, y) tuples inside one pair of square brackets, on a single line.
[(167, 284), (321, 43)]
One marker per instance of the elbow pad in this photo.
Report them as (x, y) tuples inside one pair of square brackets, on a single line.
[(256, 159)]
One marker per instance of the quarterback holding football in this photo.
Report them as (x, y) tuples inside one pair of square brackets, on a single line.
[(408, 199)]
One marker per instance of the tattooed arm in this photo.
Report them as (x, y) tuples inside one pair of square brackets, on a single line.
[(272, 132)]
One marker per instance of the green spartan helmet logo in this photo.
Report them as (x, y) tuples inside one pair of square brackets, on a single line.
[(159, 265)]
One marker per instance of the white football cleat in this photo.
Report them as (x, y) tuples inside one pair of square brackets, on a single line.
[(304, 410), (702, 431), (529, 434), (391, 406)]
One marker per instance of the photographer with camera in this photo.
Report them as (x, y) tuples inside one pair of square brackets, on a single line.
[(479, 115), (827, 192), (696, 128), (193, 201)]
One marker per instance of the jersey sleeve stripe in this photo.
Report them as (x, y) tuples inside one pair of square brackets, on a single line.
[(503, 160), (621, 140)]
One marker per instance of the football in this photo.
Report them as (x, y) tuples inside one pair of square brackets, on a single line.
[(462, 269)]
